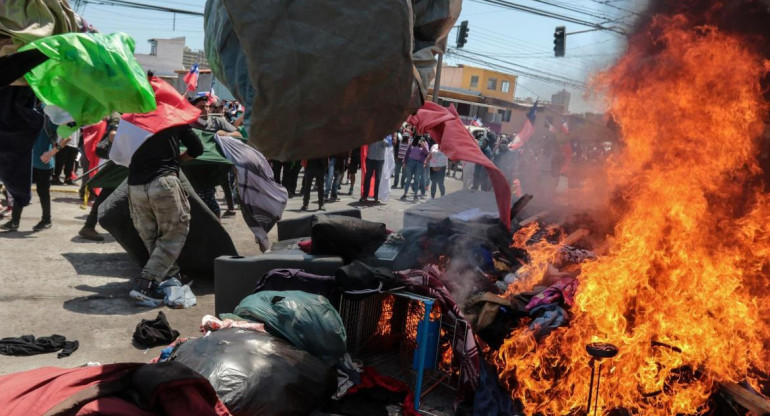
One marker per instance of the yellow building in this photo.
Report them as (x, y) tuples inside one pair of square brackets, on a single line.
[(487, 83)]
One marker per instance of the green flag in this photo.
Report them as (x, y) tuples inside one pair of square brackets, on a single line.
[(90, 75)]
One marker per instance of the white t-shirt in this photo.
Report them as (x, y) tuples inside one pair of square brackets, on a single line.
[(437, 159)]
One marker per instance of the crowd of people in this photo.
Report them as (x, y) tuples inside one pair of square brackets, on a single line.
[(403, 159)]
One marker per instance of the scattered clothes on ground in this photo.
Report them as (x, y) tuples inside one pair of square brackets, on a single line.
[(26, 345), (296, 279), (259, 374), (563, 289), (167, 353), (373, 395), (211, 323), (546, 318), (427, 282), (178, 296), (306, 320), (169, 389), (348, 373), (490, 399), (155, 332)]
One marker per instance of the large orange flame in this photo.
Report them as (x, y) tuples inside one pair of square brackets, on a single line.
[(681, 289)]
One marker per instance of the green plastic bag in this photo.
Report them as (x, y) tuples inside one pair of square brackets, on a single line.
[(90, 75), (306, 320)]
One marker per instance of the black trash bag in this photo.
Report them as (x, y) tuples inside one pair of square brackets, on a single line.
[(358, 276), (206, 240), (347, 237), (331, 69), (255, 373)]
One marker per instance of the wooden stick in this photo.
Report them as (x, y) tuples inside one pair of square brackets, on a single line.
[(534, 218), (754, 403), (576, 236)]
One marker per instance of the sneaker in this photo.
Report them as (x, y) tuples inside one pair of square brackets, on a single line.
[(350, 192), (362, 199), (304, 208), (90, 234), (228, 213), (69, 182), (321, 208), (42, 225), (415, 198), (403, 197), (10, 226), (376, 200), (146, 290), (56, 181)]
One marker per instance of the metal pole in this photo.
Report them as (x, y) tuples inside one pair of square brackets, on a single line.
[(422, 349), (437, 83)]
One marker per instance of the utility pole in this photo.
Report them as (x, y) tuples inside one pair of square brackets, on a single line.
[(462, 37), (437, 82)]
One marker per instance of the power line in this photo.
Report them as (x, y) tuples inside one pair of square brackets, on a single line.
[(575, 9), (143, 6), (520, 70), (554, 76), (552, 15)]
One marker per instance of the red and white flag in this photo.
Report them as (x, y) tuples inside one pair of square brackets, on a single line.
[(564, 126), (191, 79), (526, 131), (134, 129)]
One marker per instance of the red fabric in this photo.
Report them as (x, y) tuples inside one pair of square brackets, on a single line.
[(445, 127), (173, 109), (371, 378), (91, 136), (305, 245), (37, 391), (115, 405), (188, 397), (364, 153)]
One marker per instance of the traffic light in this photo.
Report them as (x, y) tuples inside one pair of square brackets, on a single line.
[(462, 34), (559, 40)]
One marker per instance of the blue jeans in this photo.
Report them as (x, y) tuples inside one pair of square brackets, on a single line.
[(413, 175), (330, 178)]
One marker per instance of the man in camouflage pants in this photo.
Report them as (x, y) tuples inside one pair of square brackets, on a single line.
[(160, 209)]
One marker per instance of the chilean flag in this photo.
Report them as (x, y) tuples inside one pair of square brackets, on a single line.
[(191, 79), (564, 126), (476, 122), (526, 132), (134, 129), (551, 128)]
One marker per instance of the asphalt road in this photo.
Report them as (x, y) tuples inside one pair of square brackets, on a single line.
[(54, 282)]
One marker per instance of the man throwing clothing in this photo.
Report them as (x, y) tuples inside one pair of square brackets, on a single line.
[(159, 206)]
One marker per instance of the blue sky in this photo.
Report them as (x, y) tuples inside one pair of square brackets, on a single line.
[(520, 38)]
